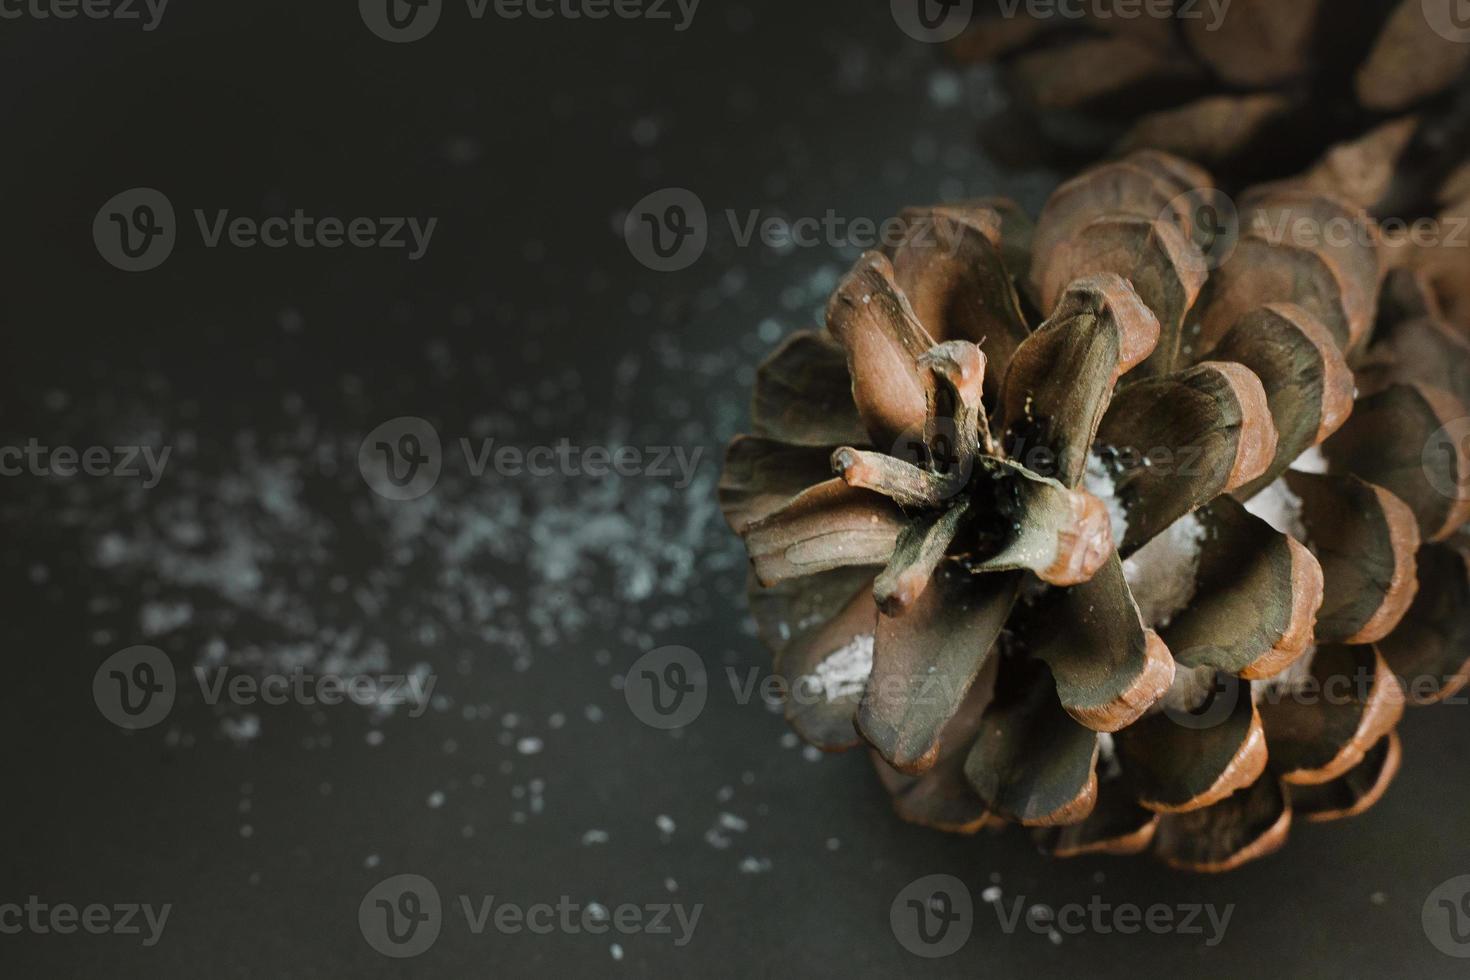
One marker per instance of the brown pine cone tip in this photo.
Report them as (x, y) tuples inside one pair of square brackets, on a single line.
[(1255, 90), (1083, 577)]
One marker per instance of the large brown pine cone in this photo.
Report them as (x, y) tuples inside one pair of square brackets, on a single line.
[(1254, 89), (1095, 576)]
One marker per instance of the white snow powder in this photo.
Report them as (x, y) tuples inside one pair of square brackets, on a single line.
[(1280, 508), (1098, 481), (844, 671), (1311, 461), (1107, 751)]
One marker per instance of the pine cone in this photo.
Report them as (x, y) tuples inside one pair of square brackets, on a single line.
[(1256, 91), (1067, 577)]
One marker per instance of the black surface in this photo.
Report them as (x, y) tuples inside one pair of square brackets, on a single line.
[(519, 137)]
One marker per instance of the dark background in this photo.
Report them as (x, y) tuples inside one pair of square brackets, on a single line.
[(529, 321)]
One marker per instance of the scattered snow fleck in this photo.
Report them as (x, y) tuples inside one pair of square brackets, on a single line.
[(529, 745), (730, 821), (991, 894), (755, 866), (436, 799), (616, 950), (665, 823), (645, 131), (241, 729), (156, 618), (594, 836), (944, 88)]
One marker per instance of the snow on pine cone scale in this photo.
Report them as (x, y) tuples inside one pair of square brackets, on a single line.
[(1068, 576)]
